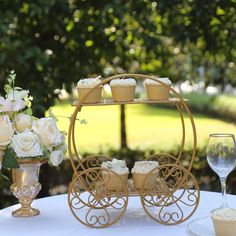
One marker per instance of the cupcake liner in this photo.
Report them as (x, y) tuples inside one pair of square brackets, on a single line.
[(139, 178), (113, 182), (93, 97), (224, 227), (123, 93), (157, 92)]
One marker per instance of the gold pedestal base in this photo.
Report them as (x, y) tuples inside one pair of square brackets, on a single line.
[(25, 195), (25, 187), (25, 212)]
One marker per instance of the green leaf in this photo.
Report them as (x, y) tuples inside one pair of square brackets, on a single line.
[(70, 26), (83, 122), (9, 159), (28, 112), (50, 113), (7, 88), (46, 153), (3, 177), (11, 77)]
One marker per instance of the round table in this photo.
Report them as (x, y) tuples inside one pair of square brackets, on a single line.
[(57, 219)]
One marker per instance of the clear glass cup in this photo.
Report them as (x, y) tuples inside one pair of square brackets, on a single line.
[(221, 156)]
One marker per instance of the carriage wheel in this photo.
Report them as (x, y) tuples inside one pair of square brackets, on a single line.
[(98, 197), (173, 197)]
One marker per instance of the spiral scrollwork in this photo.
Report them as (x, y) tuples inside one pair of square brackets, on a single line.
[(98, 197), (95, 161), (162, 158), (175, 196)]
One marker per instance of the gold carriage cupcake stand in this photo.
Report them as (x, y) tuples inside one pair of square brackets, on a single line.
[(171, 199)]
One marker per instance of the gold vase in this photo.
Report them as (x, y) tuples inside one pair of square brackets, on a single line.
[(26, 186)]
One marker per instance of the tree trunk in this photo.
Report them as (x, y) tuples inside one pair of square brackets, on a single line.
[(224, 78), (123, 136)]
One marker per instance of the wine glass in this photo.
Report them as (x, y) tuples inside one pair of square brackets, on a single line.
[(221, 157)]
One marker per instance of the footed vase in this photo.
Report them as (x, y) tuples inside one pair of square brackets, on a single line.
[(26, 186)]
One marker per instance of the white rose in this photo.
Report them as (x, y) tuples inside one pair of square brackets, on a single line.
[(56, 157), (48, 132), (5, 105), (23, 122), (6, 130), (26, 144)]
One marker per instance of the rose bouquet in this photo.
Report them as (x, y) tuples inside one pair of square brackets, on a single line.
[(24, 137)]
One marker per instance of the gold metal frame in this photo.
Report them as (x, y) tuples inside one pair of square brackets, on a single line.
[(98, 197)]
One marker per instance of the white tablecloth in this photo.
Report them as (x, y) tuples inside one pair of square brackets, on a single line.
[(57, 219)]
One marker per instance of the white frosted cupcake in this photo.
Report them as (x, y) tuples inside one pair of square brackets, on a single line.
[(112, 181), (224, 220), (123, 90), (85, 85), (140, 171), (157, 91)]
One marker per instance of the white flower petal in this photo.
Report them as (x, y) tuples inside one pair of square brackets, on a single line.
[(6, 130), (26, 144), (56, 157)]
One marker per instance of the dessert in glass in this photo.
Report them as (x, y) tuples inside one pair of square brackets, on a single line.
[(224, 221)]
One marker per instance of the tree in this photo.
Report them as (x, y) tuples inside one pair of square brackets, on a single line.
[(51, 43), (207, 28)]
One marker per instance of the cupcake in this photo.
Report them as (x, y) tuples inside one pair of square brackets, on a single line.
[(85, 85), (123, 90), (224, 220), (140, 171), (112, 181), (157, 91)]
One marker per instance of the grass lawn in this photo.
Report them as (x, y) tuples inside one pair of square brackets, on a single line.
[(147, 127)]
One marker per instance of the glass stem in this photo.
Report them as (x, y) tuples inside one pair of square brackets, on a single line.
[(223, 192)]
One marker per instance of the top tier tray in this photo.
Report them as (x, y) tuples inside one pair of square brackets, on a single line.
[(108, 102)]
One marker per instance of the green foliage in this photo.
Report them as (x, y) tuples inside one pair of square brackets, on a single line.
[(223, 106), (46, 153), (6, 197), (206, 31), (83, 121), (199, 101), (29, 111), (50, 113), (52, 44), (11, 81), (9, 159)]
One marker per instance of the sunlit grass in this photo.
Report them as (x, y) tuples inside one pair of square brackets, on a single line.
[(147, 127)]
